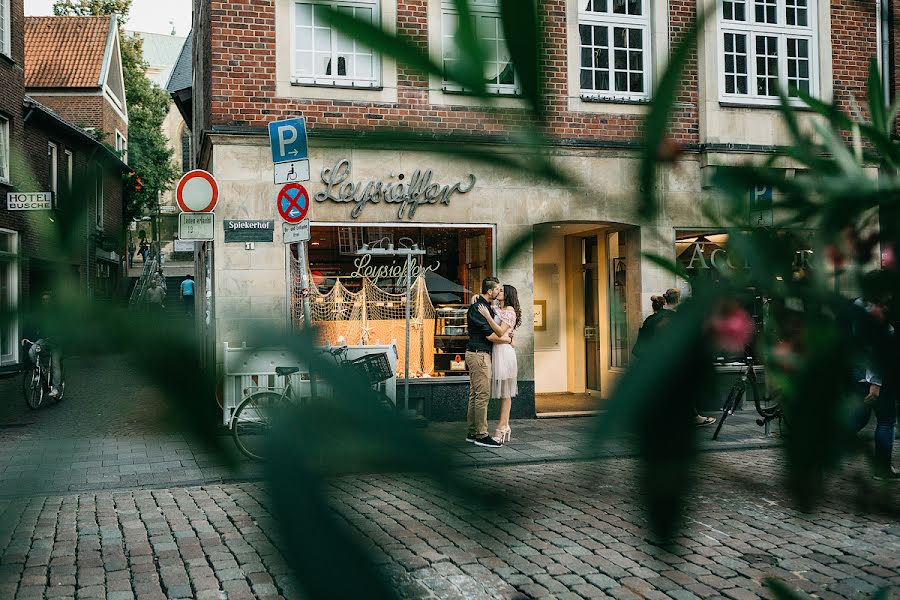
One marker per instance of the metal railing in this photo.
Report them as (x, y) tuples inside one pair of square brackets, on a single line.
[(140, 288)]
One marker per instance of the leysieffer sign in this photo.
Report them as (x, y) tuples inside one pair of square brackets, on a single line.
[(410, 192)]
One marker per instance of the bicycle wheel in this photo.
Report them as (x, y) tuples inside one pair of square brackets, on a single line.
[(33, 388), (252, 422), (734, 398)]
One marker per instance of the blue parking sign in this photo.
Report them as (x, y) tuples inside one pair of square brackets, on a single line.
[(288, 140)]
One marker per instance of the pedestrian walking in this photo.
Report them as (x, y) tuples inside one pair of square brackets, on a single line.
[(144, 250), (187, 294), (874, 388), (651, 325), (504, 365), (672, 297), (156, 297), (132, 250), (478, 362)]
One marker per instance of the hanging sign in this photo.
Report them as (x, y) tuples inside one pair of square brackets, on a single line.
[(249, 231), (29, 201), (296, 232), (293, 202), (197, 191)]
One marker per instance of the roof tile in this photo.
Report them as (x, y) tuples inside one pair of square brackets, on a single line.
[(65, 51)]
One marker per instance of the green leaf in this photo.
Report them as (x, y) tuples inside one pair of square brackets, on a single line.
[(656, 125), (876, 98), (472, 56), (782, 591), (666, 263), (522, 30)]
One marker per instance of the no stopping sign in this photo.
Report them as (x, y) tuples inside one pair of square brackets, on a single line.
[(197, 191)]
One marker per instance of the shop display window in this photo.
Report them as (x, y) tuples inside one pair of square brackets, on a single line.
[(361, 298)]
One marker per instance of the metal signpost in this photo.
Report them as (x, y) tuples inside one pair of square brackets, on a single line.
[(414, 250), (290, 151)]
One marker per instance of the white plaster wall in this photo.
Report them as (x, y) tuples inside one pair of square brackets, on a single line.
[(551, 366), (251, 286)]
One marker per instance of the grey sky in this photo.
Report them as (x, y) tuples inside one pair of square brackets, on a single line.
[(153, 16)]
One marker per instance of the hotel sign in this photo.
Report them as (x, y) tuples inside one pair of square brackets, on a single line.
[(409, 193), (249, 231), (29, 201)]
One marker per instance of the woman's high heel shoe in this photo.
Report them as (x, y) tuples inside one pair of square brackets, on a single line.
[(507, 434)]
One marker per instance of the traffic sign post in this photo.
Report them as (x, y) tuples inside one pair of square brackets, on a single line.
[(197, 191), (291, 172), (293, 202), (288, 140), (294, 233)]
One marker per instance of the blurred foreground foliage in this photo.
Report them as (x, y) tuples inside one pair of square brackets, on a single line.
[(839, 199)]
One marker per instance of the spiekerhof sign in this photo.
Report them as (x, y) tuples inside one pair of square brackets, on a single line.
[(409, 192)]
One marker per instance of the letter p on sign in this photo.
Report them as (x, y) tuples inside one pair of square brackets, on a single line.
[(288, 140)]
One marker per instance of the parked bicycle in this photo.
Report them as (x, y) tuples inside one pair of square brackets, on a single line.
[(767, 405), (253, 419), (37, 379)]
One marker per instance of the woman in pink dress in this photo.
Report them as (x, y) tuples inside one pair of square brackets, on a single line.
[(504, 367)]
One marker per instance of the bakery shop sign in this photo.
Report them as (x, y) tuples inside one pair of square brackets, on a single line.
[(409, 192)]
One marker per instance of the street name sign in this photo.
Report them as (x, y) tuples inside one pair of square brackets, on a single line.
[(288, 140), (199, 227), (293, 202), (29, 201), (296, 232), (292, 172), (197, 191), (246, 230)]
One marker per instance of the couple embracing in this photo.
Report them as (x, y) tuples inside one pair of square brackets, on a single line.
[(491, 359)]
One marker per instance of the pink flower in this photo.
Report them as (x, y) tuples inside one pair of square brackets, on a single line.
[(888, 258), (731, 329)]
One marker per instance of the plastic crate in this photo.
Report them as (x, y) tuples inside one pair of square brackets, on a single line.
[(375, 367)]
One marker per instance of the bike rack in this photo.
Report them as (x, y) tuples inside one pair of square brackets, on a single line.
[(254, 368)]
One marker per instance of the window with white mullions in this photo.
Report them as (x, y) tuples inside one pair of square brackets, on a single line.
[(766, 65), (5, 43), (499, 72), (767, 48), (766, 11), (4, 149), (323, 56), (734, 10), (615, 46), (735, 63)]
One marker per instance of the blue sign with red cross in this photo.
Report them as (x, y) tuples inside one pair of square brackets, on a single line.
[(293, 202)]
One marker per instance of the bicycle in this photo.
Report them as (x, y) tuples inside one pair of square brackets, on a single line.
[(768, 406), (252, 420), (36, 380)]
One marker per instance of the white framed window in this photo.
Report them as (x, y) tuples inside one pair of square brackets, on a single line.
[(70, 170), (53, 168), (323, 56), (98, 197), (5, 26), (121, 146), (4, 148), (615, 49), (766, 46), (500, 75), (9, 296)]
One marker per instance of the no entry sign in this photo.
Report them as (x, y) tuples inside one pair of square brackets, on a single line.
[(293, 202), (197, 191)]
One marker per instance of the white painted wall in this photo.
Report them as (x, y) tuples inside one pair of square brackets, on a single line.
[(551, 366)]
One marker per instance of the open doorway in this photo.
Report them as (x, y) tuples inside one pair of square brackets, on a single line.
[(586, 275)]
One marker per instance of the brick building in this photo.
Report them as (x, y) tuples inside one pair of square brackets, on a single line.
[(583, 286), (73, 66), (79, 237)]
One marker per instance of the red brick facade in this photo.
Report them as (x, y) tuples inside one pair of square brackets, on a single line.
[(88, 112), (236, 40)]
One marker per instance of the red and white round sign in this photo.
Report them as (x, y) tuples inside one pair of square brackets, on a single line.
[(197, 191)]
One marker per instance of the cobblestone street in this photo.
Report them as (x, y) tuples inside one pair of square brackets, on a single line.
[(99, 500)]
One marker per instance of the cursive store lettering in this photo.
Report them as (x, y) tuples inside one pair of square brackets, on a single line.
[(409, 193)]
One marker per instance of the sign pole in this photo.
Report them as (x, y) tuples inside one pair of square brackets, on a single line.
[(304, 282), (406, 354)]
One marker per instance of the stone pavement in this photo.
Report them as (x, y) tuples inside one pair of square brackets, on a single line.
[(570, 530), (110, 432)]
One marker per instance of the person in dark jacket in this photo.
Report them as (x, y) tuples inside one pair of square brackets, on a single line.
[(651, 324)]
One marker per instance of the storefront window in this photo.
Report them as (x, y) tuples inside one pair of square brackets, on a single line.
[(360, 298), (618, 311)]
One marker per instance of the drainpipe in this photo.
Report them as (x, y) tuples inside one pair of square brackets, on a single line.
[(885, 35)]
